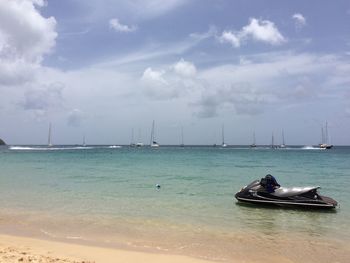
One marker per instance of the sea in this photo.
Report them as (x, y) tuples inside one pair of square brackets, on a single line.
[(175, 199)]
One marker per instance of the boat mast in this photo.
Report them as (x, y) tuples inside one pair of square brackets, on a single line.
[(223, 134), (272, 142), (49, 136), (152, 133), (182, 136), (283, 143), (132, 136)]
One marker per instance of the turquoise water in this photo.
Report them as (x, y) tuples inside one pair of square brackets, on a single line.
[(110, 187)]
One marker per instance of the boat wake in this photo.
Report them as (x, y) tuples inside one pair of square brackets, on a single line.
[(311, 148), (38, 148), (114, 147)]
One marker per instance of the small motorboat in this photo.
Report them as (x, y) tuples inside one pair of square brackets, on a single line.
[(267, 191)]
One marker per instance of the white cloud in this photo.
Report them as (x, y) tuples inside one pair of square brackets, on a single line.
[(172, 82), (25, 37), (264, 31), (185, 68), (153, 77), (119, 27), (299, 20), (258, 30), (155, 86), (230, 37), (25, 33), (271, 80), (202, 36)]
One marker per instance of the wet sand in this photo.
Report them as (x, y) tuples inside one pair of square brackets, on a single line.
[(27, 239), (242, 248), (23, 249)]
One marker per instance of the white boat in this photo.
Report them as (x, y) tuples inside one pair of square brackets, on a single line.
[(324, 139), (49, 143), (153, 142), (223, 136), (283, 145), (139, 143)]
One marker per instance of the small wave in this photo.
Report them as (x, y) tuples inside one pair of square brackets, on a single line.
[(47, 233)]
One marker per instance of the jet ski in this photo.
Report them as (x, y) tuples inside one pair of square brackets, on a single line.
[(267, 191)]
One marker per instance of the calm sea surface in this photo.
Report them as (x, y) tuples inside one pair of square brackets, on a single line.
[(112, 190)]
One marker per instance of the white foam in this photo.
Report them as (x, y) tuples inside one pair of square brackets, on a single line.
[(39, 148), (114, 147), (311, 148)]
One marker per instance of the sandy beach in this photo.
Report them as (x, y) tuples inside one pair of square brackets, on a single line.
[(27, 249), (24, 249)]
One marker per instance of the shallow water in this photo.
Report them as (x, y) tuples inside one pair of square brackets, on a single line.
[(107, 192)]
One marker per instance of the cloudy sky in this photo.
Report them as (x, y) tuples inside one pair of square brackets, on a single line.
[(104, 67)]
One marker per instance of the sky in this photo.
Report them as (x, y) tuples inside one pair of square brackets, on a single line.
[(102, 68)]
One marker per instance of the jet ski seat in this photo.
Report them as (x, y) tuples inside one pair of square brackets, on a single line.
[(287, 192)]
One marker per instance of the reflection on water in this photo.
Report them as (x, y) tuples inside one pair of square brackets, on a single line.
[(272, 220)]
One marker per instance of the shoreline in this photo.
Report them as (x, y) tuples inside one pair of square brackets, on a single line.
[(15, 248), (21, 242), (25, 249)]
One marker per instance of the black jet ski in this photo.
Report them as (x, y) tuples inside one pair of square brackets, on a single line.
[(267, 191)]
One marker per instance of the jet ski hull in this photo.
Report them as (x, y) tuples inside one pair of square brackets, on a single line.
[(255, 194)]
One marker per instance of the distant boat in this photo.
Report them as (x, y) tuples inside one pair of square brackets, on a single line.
[(132, 143), (182, 137), (84, 144), (253, 145), (324, 138), (153, 142), (283, 145), (139, 143), (49, 143), (223, 136)]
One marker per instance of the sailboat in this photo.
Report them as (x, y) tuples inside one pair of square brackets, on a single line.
[(139, 143), (324, 140), (182, 137), (153, 142), (49, 143), (253, 145), (223, 137), (273, 142), (283, 145), (84, 144), (132, 143)]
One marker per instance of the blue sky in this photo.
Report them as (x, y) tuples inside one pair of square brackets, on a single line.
[(102, 68)]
